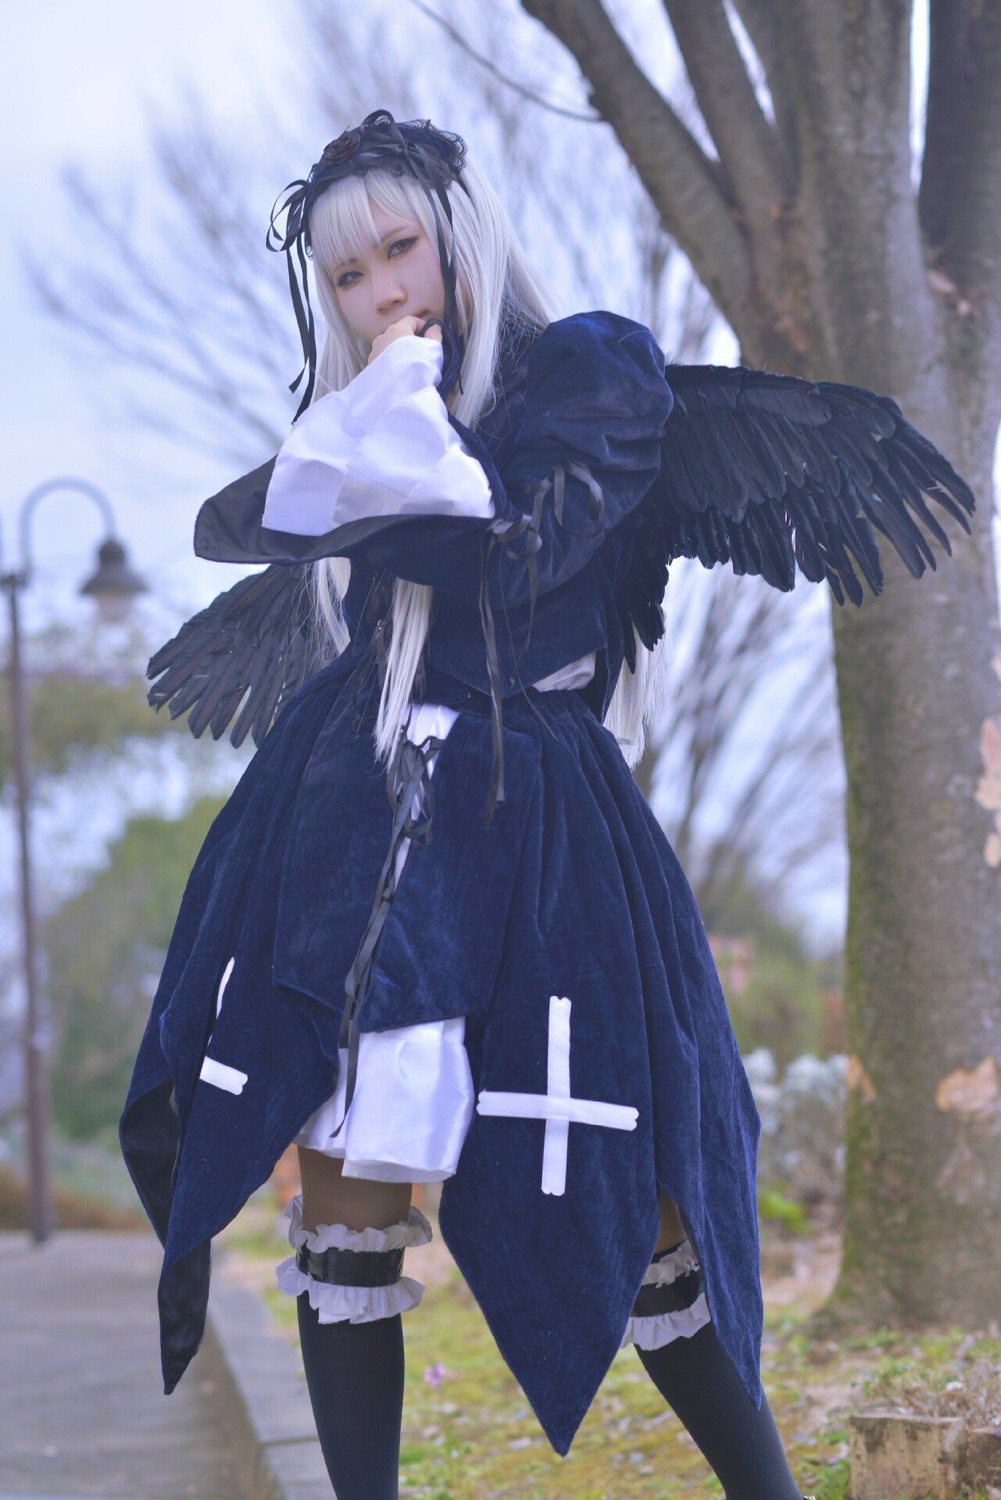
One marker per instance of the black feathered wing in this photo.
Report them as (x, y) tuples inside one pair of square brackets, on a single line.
[(241, 659), (770, 473), (765, 472)]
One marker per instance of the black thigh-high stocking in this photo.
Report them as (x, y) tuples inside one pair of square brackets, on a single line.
[(698, 1379), (355, 1376)]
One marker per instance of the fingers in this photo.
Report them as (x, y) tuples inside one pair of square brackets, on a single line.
[(400, 329), (403, 328)]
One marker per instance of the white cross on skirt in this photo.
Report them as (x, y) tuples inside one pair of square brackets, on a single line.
[(557, 1106)]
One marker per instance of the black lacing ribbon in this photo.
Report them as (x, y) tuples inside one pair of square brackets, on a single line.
[(409, 778), (505, 535)]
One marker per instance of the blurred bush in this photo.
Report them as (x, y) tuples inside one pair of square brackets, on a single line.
[(801, 1154), (71, 711), (71, 1210), (105, 948)]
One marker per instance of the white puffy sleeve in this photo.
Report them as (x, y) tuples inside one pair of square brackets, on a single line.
[(381, 446)]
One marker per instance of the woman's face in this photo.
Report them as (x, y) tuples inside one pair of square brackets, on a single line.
[(398, 278)]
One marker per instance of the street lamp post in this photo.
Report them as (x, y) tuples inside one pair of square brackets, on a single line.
[(112, 584)]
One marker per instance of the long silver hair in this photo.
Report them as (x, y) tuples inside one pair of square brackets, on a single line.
[(493, 274)]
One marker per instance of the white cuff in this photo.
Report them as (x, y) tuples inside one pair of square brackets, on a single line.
[(406, 366), (334, 1303), (381, 446)]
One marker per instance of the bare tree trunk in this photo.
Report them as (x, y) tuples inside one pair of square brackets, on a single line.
[(808, 231), (923, 973)]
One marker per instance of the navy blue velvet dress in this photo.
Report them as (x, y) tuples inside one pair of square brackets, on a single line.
[(570, 891)]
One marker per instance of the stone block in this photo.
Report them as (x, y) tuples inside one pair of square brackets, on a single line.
[(983, 1458), (893, 1455)]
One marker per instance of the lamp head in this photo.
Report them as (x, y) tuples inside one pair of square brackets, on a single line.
[(114, 584)]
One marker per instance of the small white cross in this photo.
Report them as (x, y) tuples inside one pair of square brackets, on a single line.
[(221, 1075), (557, 1106)]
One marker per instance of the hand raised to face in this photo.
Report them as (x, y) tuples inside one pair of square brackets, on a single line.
[(400, 330)]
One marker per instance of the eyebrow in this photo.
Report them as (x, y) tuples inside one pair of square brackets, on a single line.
[(391, 234)]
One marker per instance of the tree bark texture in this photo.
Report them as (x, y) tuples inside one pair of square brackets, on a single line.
[(829, 261)]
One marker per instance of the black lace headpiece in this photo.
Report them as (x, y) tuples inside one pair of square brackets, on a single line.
[(412, 148)]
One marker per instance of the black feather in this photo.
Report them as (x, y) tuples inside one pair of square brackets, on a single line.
[(242, 658), (770, 473)]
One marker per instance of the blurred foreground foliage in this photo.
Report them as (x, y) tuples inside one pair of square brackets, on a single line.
[(71, 1209), (105, 949), (75, 707)]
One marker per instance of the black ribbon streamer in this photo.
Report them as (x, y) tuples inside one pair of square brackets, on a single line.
[(409, 778)]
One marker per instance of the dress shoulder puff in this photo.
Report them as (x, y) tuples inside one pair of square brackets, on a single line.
[(601, 341), (594, 387)]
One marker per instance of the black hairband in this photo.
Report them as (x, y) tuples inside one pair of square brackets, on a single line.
[(413, 148)]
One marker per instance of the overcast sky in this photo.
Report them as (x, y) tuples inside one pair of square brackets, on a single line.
[(81, 84), (80, 81)]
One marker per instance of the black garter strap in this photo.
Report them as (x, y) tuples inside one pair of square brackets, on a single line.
[(351, 1267), (672, 1296)]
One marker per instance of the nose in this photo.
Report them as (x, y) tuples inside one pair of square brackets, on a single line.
[(388, 289)]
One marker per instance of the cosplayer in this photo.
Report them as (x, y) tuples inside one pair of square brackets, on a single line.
[(436, 934)]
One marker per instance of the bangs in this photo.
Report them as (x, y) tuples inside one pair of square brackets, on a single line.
[(341, 226)]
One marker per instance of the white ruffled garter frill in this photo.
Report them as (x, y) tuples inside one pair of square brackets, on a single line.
[(334, 1303), (663, 1328)]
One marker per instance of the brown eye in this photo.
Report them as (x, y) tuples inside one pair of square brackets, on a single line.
[(400, 247), (346, 279)]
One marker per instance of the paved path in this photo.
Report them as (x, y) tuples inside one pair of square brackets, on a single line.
[(82, 1410)]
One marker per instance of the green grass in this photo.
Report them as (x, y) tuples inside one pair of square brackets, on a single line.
[(475, 1438), (475, 1435)]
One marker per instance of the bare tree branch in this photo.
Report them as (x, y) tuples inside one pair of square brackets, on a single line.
[(761, 24), (212, 333), (746, 656), (845, 54), (461, 40), (949, 74), (973, 250), (685, 185), (748, 148)]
